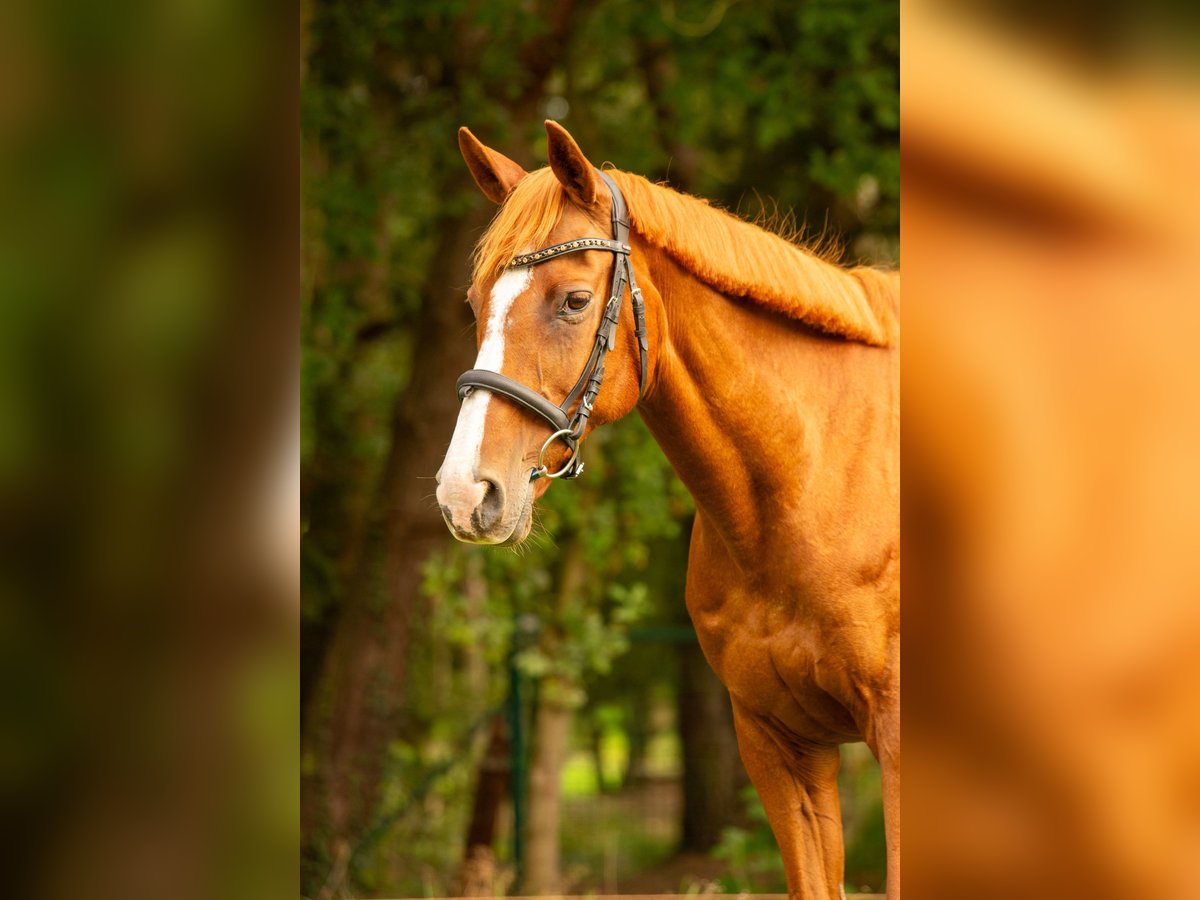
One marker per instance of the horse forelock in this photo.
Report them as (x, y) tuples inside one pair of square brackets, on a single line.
[(524, 221)]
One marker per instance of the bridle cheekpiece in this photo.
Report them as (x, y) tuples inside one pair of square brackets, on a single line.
[(569, 427)]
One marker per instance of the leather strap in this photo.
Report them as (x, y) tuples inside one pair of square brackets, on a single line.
[(541, 256), (620, 225), (515, 391)]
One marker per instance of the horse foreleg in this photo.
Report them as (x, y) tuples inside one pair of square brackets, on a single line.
[(798, 787), (884, 741), (889, 767)]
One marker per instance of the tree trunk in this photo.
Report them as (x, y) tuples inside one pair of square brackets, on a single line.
[(713, 775), (551, 730), (636, 729), (552, 726), (355, 709), (477, 877)]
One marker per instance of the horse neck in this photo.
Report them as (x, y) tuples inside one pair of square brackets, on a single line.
[(750, 409)]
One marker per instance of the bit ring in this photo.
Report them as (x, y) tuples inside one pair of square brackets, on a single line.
[(541, 471)]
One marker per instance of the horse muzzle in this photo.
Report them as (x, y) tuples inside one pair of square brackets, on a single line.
[(477, 510)]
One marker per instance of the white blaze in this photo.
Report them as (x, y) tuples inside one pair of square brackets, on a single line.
[(458, 490)]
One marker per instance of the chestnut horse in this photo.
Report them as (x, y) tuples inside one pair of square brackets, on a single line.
[(771, 383)]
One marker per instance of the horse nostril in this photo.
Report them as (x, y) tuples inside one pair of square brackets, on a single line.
[(489, 511)]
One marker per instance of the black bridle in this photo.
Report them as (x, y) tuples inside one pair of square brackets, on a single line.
[(567, 427)]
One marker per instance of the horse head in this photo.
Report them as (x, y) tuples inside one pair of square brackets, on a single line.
[(540, 327)]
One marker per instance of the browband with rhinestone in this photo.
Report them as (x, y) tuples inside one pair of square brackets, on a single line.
[(546, 253)]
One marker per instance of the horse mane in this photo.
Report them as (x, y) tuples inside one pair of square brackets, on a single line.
[(727, 253), (743, 260)]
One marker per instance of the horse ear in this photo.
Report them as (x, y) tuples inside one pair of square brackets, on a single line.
[(570, 166), (494, 172)]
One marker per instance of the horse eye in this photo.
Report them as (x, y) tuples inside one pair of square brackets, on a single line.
[(577, 302)]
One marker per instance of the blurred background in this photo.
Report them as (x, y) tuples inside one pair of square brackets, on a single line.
[(482, 720), (1051, 214), (149, 448)]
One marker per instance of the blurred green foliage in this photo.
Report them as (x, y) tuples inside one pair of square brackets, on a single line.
[(749, 104), (147, 373), (628, 500), (755, 865)]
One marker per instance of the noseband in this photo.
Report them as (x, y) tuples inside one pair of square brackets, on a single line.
[(567, 427)]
